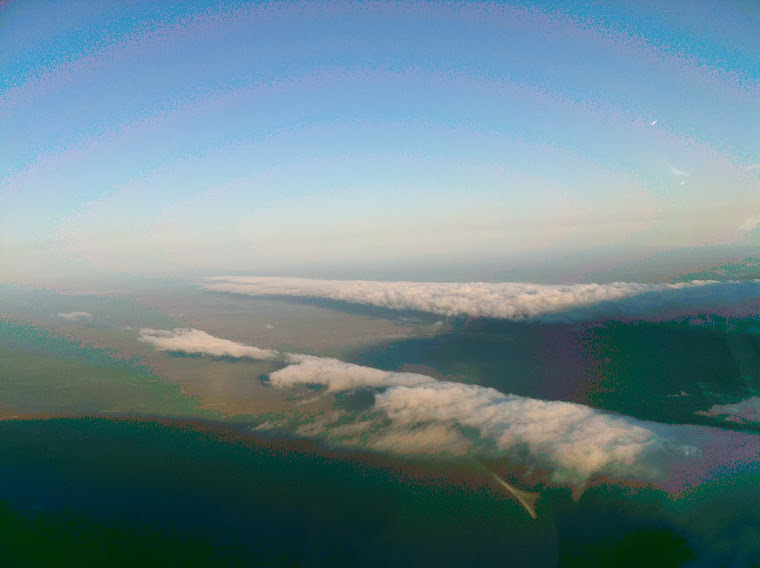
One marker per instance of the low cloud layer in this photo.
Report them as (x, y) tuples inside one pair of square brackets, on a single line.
[(419, 414), (509, 300), (576, 439), (337, 375), (197, 342), (416, 414), (76, 316)]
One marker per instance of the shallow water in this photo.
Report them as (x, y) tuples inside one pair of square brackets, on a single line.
[(251, 497), (247, 499), (169, 465)]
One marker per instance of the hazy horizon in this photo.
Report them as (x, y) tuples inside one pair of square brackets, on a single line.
[(385, 138)]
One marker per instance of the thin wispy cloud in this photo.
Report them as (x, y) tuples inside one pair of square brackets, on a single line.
[(678, 172)]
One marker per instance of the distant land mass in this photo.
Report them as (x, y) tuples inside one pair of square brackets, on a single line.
[(744, 269)]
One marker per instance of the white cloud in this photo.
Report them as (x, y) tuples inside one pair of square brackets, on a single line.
[(576, 440), (653, 123), (508, 300), (417, 414), (76, 316), (195, 341), (430, 439), (677, 172), (337, 375), (749, 225)]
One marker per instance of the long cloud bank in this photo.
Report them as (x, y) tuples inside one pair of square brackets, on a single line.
[(431, 416), (416, 414), (508, 300)]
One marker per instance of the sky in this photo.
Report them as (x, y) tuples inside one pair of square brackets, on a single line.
[(289, 138)]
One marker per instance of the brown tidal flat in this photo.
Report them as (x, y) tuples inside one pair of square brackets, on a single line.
[(274, 323)]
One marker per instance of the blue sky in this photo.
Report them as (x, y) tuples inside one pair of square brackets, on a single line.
[(289, 138)]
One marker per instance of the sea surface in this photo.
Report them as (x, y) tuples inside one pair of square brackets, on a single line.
[(113, 453)]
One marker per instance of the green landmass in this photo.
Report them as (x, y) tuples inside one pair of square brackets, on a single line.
[(744, 269)]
